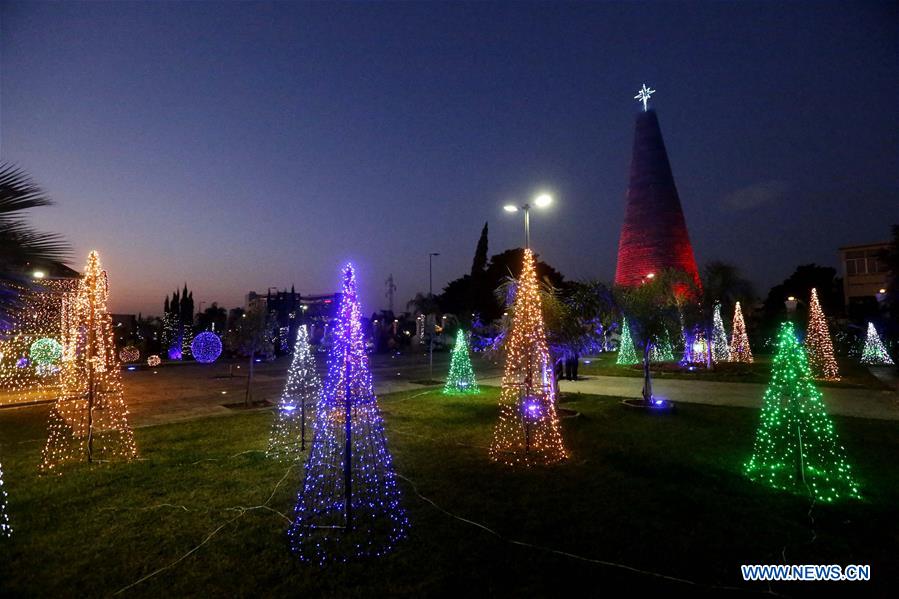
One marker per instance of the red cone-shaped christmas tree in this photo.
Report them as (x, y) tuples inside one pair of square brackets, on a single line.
[(654, 234), (89, 421), (528, 431)]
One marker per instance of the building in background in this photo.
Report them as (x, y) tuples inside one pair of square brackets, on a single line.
[(291, 309), (865, 276)]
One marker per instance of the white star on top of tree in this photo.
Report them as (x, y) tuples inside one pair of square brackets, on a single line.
[(643, 95)]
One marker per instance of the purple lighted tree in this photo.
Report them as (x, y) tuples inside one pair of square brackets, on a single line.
[(349, 505)]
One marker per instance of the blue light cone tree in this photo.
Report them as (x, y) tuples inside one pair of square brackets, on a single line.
[(5, 528), (301, 393), (349, 506), (796, 445), (461, 377)]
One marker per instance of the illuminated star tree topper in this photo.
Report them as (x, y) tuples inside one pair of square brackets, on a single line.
[(349, 505), (461, 377), (796, 445), (301, 393), (89, 420), (528, 431), (643, 96)]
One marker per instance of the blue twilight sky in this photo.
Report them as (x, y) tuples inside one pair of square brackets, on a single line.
[(238, 146)]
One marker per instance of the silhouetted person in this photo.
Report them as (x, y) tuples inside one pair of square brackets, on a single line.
[(571, 363)]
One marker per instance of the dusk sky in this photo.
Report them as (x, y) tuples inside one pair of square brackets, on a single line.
[(242, 146)]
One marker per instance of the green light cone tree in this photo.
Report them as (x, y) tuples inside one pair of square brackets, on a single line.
[(796, 446), (301, 394), (627, 355), (663, 351), (720, 346), (874, 352), (818, 344), (461, 377), (5, 528)]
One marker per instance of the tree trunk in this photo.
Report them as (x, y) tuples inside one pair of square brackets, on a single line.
[(249, 380), (647, 374), (710, 364)]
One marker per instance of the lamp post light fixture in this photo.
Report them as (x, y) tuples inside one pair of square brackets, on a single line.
[(431, 299), (39, 274), (790, 304), (541, 201), (881, 295)]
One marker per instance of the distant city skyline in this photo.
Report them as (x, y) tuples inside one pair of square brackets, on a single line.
[(237, 147)]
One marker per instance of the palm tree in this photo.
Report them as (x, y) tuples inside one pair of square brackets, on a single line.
[(21, 247)]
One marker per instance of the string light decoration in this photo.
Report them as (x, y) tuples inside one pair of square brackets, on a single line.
[(40, 317), (720, 347), (129, 354), (663, 350), (461, 377), (874, 353), (349, 506), (818, 344), (796, 446), (89, 419), (206, 347), (45, 353), (301, 393), (5, 527), (528, 431), (627, 355), (154, 361), (739, 340)]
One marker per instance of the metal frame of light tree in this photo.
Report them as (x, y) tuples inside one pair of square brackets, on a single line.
[(5, 526), (739, 340), (461, 377), (818, 344), (627, 354), (89, 419), (796, 446), (720, 346), (528, 430), (349, 505), (874, 352), (301, 393)]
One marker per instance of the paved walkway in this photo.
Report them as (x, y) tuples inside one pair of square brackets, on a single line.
[(860, 403)]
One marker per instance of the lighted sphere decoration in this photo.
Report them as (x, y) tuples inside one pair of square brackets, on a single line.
[(45, 351), (206, 347), (154, 361), (129, 354)]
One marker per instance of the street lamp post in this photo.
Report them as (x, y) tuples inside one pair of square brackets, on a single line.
[(431, 299), (541, 201)]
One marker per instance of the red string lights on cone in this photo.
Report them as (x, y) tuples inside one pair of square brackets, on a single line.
[(528, 431), (89, 420)]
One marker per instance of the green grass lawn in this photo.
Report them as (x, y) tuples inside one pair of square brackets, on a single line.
[(655, 492), (852, 374)]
